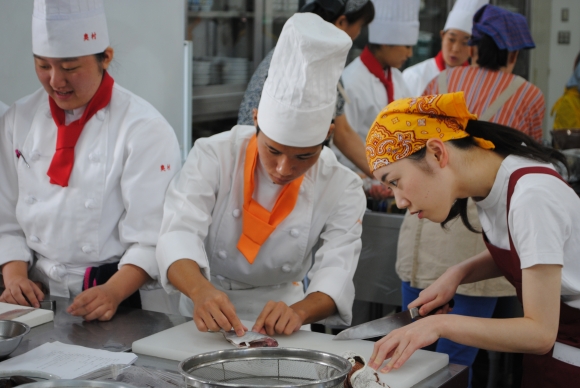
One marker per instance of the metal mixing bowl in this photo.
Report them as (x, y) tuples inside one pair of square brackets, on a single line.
[(75, 383), (11, 333)]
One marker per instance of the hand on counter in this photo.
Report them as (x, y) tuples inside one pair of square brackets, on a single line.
[(18, 288), (278, 318), (100, 302)]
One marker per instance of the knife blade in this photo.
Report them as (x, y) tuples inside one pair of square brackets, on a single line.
[(13, 314), (383, 326)]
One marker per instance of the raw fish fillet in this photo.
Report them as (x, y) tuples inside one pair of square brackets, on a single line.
[(250, 340)]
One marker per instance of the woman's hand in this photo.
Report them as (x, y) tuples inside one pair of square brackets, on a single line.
[(99, 302), (18, 288), (278, 318), (438, 294), (401, 343), (213, 310)]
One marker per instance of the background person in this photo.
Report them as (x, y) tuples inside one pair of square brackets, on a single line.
[(454, 47), (373, 80), (349, 16), (531, 223), (243, 216), (567, 109), (84, 166)]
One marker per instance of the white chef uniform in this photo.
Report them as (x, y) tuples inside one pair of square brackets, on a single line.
[(204, 204), (111, 210), (3, 108), (418, 76), (396, 22)]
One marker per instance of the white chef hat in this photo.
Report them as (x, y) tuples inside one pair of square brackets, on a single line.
[(299, 95), (69, 28), (461, 15), (396, 22)]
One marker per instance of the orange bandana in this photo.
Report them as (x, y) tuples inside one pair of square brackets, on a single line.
[(257, 222), (405, 125)]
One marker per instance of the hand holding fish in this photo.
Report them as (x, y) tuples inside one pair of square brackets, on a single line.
[(213, 310), (18, 288), (278, 318)]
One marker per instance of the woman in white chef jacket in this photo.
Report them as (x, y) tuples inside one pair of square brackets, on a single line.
[(373, 79), (66, 204), (454, 48), (439, 156), (213, 247)]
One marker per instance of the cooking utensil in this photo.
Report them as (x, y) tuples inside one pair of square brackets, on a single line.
[(265, 367), (11, 333), (48, 304), (383, 326), (12, 314), (75, 383)]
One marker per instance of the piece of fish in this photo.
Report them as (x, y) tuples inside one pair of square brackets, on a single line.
[(250, 340), (12, 314)]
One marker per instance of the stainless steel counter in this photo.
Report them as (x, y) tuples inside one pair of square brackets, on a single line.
[(128, 325)]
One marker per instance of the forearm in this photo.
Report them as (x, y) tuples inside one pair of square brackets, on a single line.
[(479, 267), (350, 144), (14, 269), (186, 276), (315, 307), (128, 279)]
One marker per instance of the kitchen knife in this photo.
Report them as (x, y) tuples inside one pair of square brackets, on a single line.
[(383, 326), (12, 314)]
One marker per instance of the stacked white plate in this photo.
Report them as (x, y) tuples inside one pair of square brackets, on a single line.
[(235, 70), (201, 72)]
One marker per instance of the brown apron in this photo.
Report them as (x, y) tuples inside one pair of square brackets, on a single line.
[(539, 371)]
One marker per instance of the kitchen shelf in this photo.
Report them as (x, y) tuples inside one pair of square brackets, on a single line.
[(219, 14), (216, 101)]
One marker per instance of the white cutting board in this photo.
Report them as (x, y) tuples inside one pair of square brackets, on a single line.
[(183, 341), (34, 318)]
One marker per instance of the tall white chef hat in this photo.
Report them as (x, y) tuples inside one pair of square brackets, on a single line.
[(396, 22), (69, 28), (299, 95), (461, 15)]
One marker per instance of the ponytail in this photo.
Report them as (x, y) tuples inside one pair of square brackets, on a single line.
[(507, 141)]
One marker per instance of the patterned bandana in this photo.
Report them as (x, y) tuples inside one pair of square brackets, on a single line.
[(405, 125)]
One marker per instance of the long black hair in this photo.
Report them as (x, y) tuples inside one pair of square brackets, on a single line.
[(489, 56), (507, 141), (331, 10)]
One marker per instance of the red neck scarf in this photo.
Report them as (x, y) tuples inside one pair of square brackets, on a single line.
[(375, 68), (440, 61), (67, 136), (257, 222)]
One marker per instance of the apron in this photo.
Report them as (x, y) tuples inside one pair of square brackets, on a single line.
[(539, 371), (248, 300)]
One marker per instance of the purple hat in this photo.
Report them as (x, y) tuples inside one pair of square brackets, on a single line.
[(509, 30)]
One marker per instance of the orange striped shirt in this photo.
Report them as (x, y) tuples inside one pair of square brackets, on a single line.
[(523, 111)]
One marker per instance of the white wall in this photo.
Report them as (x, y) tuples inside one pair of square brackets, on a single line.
[(551, 63), (148, 38)]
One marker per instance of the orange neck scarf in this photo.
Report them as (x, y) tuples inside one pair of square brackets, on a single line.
[(257, 222)]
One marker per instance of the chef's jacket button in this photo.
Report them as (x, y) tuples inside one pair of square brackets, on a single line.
[(94, 157), (48, 113), (222, 254), (90, 204), (34, 239), (294, 233), (30, 200), (236, 213), (100, 115), (87, 249), (301, 190), (286, 268), (35, 156)]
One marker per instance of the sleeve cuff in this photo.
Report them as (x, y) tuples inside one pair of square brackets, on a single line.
[(174, 246), (144, 258), (336, 283)]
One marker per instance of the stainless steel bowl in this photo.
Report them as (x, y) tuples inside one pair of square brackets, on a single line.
[(75, 383), (265, 367), (11, 333)]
